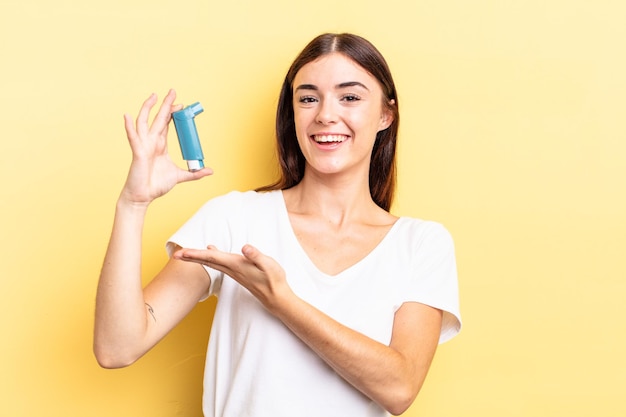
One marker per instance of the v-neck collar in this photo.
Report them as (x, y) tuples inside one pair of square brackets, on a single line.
[(308, 263)]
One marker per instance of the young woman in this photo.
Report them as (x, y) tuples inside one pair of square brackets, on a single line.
[(328, 304)]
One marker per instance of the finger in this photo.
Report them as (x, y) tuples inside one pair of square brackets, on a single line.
[(253, 255), (210, 257), (129, 126), (165, 112), (184, 175), (144, 114), (184, 254)]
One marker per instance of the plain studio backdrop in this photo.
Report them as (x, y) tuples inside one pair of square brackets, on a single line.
[(512, 134)]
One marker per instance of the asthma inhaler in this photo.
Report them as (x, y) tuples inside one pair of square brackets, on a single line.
[(188, 136)]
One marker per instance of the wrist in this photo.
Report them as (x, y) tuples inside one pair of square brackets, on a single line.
[(125, 205), (284, 302)]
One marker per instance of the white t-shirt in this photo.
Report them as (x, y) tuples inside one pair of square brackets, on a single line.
[(256, 366)]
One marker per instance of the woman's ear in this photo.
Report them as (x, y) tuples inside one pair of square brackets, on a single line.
[(386, 118)]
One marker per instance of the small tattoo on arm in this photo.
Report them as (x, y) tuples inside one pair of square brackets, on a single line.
[(151, 311)]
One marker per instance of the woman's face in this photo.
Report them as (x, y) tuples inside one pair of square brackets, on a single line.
[(338, 110)]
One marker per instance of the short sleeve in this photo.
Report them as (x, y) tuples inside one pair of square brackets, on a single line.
[(212, 224), (433, 278)]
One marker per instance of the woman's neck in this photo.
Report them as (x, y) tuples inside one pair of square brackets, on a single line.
[(339, 201)]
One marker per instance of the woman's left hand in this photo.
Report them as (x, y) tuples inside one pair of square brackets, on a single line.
[(258, 273)]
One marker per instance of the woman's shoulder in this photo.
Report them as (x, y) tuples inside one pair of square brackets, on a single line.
[(418, 229)]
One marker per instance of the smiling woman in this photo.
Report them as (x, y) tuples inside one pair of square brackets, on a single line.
[(338, 107), (363, 54), (328, 304)]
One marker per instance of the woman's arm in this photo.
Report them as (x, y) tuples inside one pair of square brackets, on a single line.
[(129, 320), (389, 375)]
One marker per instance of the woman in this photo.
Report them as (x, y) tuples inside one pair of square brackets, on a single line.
[(328, 304)]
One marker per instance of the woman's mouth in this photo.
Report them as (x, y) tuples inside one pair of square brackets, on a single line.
[(329, 138)]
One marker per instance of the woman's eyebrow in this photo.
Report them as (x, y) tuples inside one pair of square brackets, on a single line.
[(338, 86), (351, 84), (306, 87)]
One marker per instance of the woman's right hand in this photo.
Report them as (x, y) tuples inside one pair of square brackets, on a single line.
[(152, 172)]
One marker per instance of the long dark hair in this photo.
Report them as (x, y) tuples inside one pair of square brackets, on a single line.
[(382, 175)]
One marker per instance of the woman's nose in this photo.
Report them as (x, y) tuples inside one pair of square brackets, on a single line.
[(327, 113)]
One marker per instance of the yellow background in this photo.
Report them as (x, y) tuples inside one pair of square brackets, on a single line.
[(513, 135)]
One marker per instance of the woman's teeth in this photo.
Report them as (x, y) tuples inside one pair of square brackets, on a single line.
[(329, 138)]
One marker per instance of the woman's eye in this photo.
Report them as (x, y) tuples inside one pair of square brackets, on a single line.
[(351, 97), (307, 99)]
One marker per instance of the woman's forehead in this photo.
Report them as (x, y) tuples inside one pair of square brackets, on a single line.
[(333, 69)]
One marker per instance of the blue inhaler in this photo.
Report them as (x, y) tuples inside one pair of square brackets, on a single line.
[(188, 136)]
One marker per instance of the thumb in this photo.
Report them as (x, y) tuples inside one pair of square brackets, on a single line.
[(185, 175), (253, 255)]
